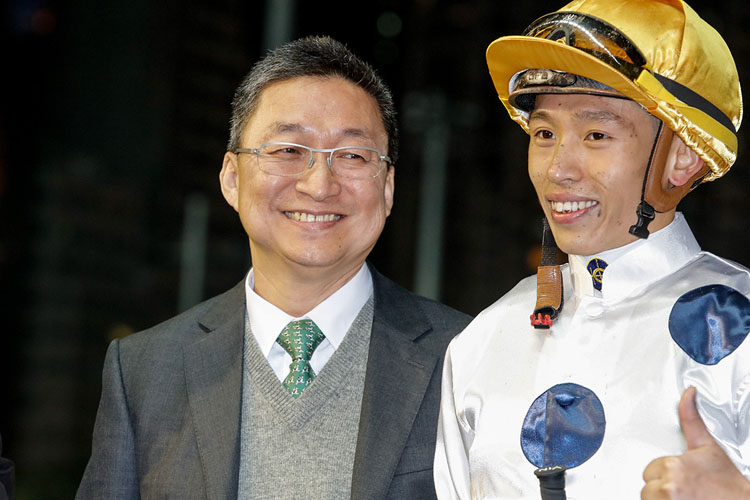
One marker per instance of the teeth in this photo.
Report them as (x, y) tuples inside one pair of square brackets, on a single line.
[(571, 206), (305, 217)]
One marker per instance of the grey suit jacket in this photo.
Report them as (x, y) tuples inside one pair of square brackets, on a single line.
[(168, 423)]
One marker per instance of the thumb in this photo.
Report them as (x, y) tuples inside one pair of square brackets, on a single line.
[(695, 431)]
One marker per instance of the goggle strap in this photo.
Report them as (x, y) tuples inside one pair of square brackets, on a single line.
[(695, 100)]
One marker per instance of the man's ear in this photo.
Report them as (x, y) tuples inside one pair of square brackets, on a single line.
[(682, 164), (229, 179), (390, 186)]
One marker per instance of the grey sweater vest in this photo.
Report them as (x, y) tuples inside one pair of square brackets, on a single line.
[(303, 448)]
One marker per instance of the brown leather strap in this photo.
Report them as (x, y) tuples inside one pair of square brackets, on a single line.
[(548, 287), (549, 296)]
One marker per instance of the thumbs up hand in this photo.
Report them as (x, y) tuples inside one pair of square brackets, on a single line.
[(703, 472)]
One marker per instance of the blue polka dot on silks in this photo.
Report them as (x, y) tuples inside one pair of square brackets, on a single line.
[(564, 426), (710, 322)]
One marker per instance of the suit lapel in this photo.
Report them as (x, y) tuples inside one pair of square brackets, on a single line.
[(398, 373), (213, 374)]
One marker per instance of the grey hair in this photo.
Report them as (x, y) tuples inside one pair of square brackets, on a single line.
[(311, 56)]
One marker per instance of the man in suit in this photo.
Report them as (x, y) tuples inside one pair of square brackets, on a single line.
[(315, 376)]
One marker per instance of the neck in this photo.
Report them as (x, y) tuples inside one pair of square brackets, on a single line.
[(298, 292)]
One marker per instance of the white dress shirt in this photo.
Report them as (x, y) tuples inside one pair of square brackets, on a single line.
[(620, 346), (333, 316)]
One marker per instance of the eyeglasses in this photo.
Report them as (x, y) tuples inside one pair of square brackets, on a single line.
[(591, 35), (289, 159)]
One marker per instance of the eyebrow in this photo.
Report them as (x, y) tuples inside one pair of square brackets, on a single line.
[(286, 127), (281, 128), (600, 116), (587, 115), (539, 115)]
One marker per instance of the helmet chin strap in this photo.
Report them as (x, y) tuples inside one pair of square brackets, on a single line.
[(657, 160), (655, 198)]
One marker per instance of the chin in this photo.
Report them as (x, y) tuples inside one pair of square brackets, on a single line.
[(575, 248), (313, 260)]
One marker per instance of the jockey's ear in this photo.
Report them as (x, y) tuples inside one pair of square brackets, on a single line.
[(682, 164)]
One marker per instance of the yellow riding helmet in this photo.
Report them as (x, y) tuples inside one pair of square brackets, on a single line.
[(659, 53)]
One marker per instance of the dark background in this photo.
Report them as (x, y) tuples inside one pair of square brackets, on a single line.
[(112, 131)]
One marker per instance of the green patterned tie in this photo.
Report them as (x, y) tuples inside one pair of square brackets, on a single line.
[(299, 339)]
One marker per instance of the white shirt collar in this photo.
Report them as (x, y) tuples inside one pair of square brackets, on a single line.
[(636, 265), (333, 316)]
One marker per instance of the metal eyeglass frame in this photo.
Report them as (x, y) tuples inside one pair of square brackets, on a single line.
[(330, 151)]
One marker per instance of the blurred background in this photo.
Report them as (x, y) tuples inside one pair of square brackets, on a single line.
[(112, 130)]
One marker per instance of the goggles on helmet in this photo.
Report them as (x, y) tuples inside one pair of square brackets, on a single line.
[(593, 36)]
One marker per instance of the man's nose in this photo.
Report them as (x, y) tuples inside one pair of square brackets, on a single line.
[(565, 163), (318, 180)]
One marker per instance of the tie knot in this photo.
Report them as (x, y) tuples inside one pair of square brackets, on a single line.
[(300, 338), (596, 267)]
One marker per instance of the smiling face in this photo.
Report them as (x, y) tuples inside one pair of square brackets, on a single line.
[(587, 158), (315, 225)]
